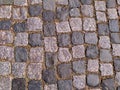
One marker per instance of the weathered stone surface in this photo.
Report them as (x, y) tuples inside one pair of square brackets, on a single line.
[(92, 51), (89, 24), (5, 24), (78, 51), (79, 82), (5, 12), (36, 40), (34, 85), (50, 44), (18, 83), (86, 2), (36, 54), (34, 71), (111, 3), (103, 29), (49, 4), (115, 38), (117, 64), (114, 25), (101, 16), (35, 10), (117, 78), (92, 63), (74, 3), (34, 24), (106, 69), (77, 38), (35, 1), (63, 27), (65, 84), (6, 2), (48, 76), (48, 16), (79, 67), (20, 13), (21, 54), (5, 68), (116, 49), (93, 80), (105, 55), (64, 70), (20, 2), (5, 83), (50, 87), (21, 39), (18, 69), (6, 37), (62, 2), (64, 55), (87, 10), (112, 13), (64, 39), (75, 12), (91, 38), (100, 5), (76, 24)]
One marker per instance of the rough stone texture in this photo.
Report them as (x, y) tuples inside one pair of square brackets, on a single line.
[(18, 69), (116, 49), (114, 25), (111, 3), (65, 70), (79, 82), (74, 3), (62, 2), (112, 13), (49, 4), (48, 16), (50, 87), (78, 51), (75, 12), (20, 2), (79, 67), (18, 84), (48, 76), (34, 71), (101, 17), (5, 24), (117, 64), (92, 63), (21, 39), (50, 44), (5, 83), (117, 78), (115, 38), (2, 2), (35, 1), (64, 55), (36, 54), (5, 68), (106, 69), (100, 5), (86, 2), (89, 24)]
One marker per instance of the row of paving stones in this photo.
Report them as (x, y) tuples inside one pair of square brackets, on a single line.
[(59, 45)]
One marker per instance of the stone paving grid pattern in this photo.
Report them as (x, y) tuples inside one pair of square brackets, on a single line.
[(59, 45)]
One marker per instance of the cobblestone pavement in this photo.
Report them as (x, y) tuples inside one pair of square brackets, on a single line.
[(59, 45)]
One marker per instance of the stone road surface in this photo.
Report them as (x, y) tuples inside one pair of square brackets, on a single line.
[(59, 45)]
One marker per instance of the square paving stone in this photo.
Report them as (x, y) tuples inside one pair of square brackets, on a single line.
[(115, 38), (36, 54), (34, 71), (92, 63), (21, 54), (106, 69), (5, 83), (111, 3), (49, 5), (5, 11), (64, 85), (35, 39), (79, 82), (74, 12), (89, 24), (5, 68), (20, 2), (62, 13), (92, 51), (114, 25), (117, 78), (116, 49), (50, 87), (86, 2), (65, 70), (49, 29), (87, 10), (5, 24), (112, 13), (74, 3), (93, 80), (21, 39), (64, 39), (103, 29), (34, 85), (35, 10), (18, 69), (34, 24), (48, 16), (117, 64), (77, 38), (20, 13), (100, 5), (64, 55), (79, 66), (20, 27), (50, 59), (62, 2), (78, 51), (101, 16), (108, 84), (49, 76), (91, 38), (63, 27), (105, 55), (104, 42), (18, 84), (50, 44)]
